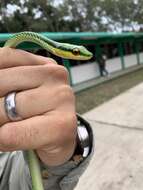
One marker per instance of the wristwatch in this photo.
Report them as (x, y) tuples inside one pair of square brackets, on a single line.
[(84, 139)]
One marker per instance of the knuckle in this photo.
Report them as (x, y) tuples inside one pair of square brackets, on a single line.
[(67, 127), (59, 72), (5, 53), (52, 61), (72, 119), (54, 72), (65, 92), (71, 124), (62, 73)]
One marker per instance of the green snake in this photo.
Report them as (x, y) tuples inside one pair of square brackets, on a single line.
[(63, 50)]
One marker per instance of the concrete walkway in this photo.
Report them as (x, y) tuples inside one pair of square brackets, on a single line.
[(118, 129)]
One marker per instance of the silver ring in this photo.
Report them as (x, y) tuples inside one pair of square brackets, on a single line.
[(10, 106)]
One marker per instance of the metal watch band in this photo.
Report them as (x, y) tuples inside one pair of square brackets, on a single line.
[(84, 136)]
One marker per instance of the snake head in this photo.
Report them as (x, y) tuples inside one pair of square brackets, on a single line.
[(75, 52), (80, 52)]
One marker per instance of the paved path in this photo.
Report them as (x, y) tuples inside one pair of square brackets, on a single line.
[(118, 128)]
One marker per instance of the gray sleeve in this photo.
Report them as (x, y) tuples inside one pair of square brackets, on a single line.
[(64, 177), (14, 173)]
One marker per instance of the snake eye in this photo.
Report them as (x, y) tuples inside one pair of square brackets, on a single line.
[(76, 51)]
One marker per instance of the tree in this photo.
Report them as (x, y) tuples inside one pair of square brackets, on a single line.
[(70, 15), (123, 15)]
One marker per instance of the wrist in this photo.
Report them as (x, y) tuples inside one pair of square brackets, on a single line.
[(76, 150), (57, 156)]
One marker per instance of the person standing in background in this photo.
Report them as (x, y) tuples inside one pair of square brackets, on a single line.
[(102, 65)]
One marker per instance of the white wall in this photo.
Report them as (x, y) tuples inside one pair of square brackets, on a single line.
[(130, 60), (84, 72), (89, 71), (113, 65), (141, 57)]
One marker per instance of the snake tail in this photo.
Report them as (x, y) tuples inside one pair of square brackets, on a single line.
[(35, 171)]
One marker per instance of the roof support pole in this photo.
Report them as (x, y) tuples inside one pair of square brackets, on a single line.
[(121, 54), (66, 63)]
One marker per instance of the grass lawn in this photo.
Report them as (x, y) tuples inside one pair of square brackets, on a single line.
[(92, 97)]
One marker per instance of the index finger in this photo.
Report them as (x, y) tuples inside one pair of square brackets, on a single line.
[(10, 57), (37, 131)]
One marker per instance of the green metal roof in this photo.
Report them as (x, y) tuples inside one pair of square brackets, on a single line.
[(88, 35)]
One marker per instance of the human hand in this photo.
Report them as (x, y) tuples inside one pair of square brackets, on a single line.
[(45, 102)]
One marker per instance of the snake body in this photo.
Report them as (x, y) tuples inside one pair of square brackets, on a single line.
[(64, 50)]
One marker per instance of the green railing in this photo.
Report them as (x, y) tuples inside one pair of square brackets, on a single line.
[(94, 39)]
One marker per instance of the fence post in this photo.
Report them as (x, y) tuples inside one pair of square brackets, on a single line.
[(137, 52), (120, 50), (66, 63)]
